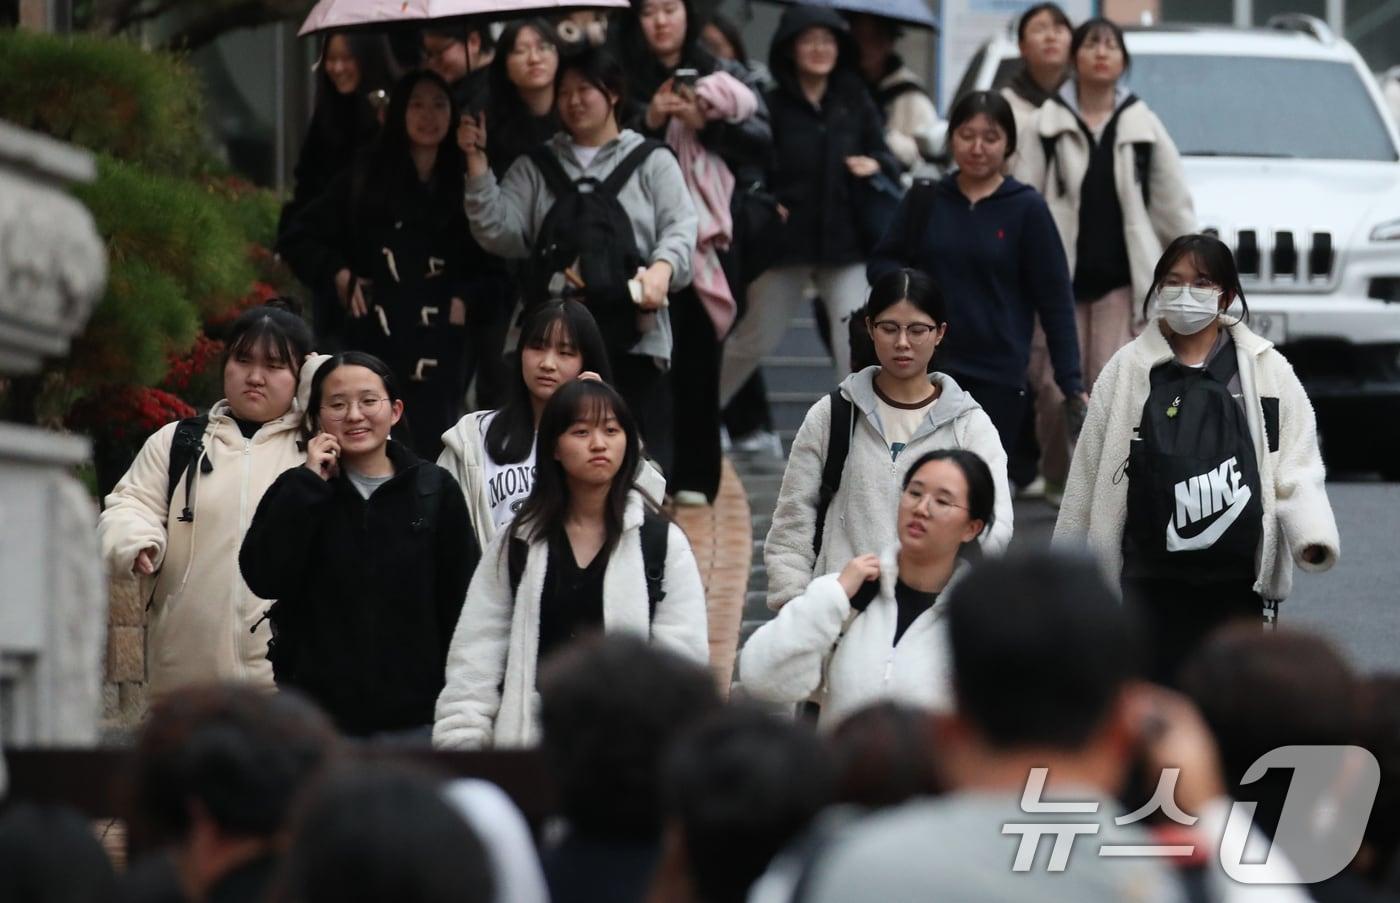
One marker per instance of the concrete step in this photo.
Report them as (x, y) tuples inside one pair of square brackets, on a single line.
[(802, 338)]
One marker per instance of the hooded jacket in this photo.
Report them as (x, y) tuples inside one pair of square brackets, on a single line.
[(464, 456), (506, 217), (811, 145), (862, 515), (375, 586), (1297, 513), (1000, 264), (490, 698), (1146, 230), (819, 642), (201, 624)]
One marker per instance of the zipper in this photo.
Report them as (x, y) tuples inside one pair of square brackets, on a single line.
[(889, 668), (238, 588)]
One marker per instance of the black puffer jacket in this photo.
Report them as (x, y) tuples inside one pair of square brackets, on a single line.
[(812, 143), (373, 587)]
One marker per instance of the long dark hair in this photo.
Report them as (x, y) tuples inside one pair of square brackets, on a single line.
[(981, 489), (645, 70), (275, 328), (373, 58), (388, 182), (1211, 256), (542, 515), (509, 123), (353, 359), (511, 434)]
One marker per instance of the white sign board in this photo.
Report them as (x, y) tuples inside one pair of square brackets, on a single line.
[(969, 23)]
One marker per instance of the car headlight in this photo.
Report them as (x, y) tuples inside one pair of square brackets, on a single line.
[(1387, 231)]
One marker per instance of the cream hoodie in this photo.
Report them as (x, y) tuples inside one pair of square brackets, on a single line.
[(200, 623)]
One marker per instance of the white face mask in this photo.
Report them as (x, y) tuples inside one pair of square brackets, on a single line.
[(1188, 309)]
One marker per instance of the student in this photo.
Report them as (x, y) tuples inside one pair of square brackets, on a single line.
[(180, 512), (460, 55), (507, 218), (828, 147), (875, 631), (573, 562), (522, 112), (1226, 548), (909, 115), (991, 245), (717, 125), (1042, 36), (894, 412), (492, 453), (390, 239), (368, 551)]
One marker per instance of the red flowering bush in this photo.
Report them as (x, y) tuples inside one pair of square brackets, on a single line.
[(128, 413)]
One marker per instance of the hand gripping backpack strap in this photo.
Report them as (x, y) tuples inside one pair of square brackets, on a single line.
[(838, 446), (656, 532), (612, 185)]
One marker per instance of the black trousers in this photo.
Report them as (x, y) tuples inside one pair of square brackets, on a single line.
[(1175, 617), (647, 391), (1004, 405), (695, 362), (748, 410)]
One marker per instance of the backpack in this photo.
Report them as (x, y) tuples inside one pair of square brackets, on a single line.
[(1195, 511), (586, 248), (289, 624), (656, 532), (187, 452), (838, 446)]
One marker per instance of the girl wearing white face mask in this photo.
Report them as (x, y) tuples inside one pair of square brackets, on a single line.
[(1233, 531)]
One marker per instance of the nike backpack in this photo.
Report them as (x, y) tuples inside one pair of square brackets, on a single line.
[(586, 249), (1194, 508)]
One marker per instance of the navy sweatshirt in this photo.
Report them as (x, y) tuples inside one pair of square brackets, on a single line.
[(999, 263)]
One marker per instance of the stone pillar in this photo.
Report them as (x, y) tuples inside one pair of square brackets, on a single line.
[(52, 594)]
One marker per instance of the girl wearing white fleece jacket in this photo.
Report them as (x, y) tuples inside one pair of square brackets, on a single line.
[(899, 411), (1195, 282), (577, 566), (203, 622), (857, 641)]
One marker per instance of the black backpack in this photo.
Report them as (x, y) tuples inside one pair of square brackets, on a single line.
[(187, 453), (656, 532), (1195, 512), (586, 248), (289, 622), (838, 446)]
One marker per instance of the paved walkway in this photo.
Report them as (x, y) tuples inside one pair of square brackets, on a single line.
[(721, 535)]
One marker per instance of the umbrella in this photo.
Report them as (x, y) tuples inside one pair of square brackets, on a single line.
[(351, 13), (909, 12)]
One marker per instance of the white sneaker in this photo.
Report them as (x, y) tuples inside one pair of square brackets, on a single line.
[(1033, 490), (690, 498), (759, 442)]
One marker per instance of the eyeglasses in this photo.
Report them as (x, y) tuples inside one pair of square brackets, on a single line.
[(339, 409), (1201, 290), (936, 505), (521, 51), (917, 332)]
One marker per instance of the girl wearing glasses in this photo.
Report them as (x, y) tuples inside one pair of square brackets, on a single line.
[(574, 561), (1194, 284), (186, 536), (368, 550), (875, 631), (897, 411)]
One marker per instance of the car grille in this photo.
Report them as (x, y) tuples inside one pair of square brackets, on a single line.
[(1283, 259)]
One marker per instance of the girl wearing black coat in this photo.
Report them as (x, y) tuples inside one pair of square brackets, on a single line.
[(390, 240), (353, 71), (369, 551), (829, 143)]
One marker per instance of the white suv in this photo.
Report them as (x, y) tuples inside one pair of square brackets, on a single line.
[(1292, 161)]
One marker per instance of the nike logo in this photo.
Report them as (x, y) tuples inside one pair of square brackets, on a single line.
[(1219, 490)]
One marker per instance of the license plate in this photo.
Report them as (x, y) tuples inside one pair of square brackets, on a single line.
[(1273, 327)]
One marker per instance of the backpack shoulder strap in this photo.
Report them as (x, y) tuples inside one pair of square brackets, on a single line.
[(428, 489), (1142, 166), (1226, 364), (838, 446), (612, 185), (186, 449), (656, 532), (920, 201), (551, 170), (1048, 147)]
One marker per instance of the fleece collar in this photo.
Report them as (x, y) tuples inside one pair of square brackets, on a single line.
[(952, 402)]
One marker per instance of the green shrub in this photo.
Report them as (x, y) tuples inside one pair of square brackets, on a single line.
[(143, 317), (107, 95)]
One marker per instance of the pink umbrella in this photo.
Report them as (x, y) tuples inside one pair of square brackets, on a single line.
[(350, 13)]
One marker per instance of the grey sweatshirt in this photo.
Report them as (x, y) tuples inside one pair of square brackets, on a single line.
[(506, 217)]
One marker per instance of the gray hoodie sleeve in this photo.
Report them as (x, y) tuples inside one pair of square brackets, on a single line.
[(676, 221), (502, 217)]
